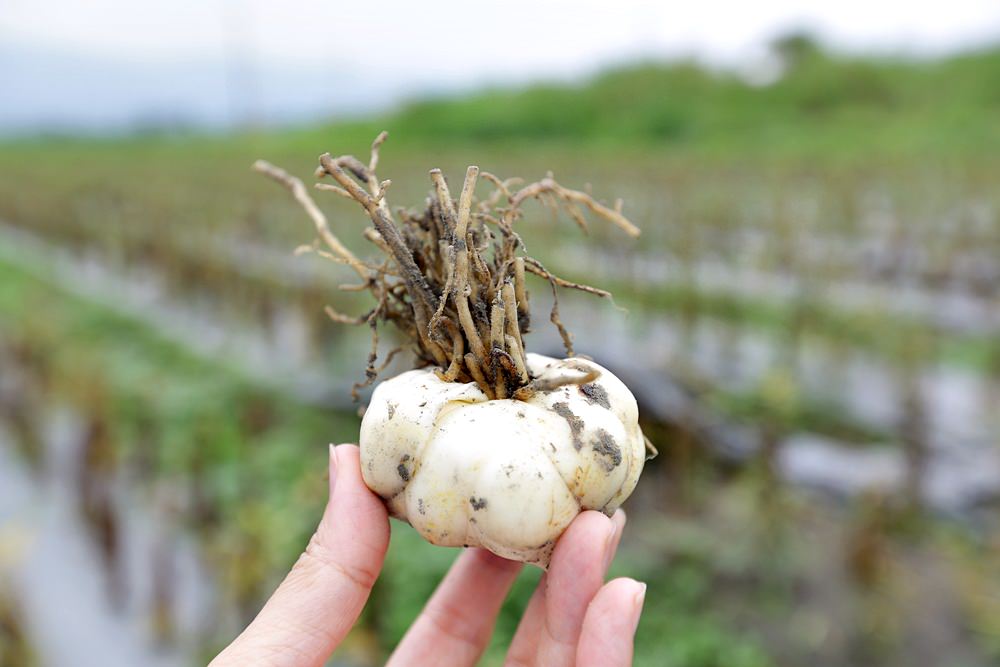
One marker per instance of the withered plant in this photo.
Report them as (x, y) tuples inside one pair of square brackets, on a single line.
[(453, 276)]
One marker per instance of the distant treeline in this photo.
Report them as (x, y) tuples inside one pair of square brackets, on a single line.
[(817, 100)]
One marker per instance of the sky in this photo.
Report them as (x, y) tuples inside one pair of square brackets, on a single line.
[(210, 61)]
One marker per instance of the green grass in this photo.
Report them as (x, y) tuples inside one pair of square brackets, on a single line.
[(899, 339), (826, 106), (254, 459), (257, 459)]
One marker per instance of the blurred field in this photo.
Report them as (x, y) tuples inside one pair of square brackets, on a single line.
[(813, 333)]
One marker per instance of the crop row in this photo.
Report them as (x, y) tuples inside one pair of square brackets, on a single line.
[(244, 463)]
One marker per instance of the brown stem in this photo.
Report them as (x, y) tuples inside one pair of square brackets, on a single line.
[(416, 285), (301, 195), (574, 197), (453, 280)]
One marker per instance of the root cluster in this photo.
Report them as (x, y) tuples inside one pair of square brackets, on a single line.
[(452, 276)]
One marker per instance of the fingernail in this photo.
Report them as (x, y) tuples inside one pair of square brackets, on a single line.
[(333, 467), (639, 600)]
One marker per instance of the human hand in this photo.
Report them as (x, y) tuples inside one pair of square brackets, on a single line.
[(573, 618)]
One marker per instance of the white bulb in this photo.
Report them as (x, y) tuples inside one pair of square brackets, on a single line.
[(507, 475)]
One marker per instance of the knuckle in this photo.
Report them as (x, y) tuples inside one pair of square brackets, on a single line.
[(319, 553)]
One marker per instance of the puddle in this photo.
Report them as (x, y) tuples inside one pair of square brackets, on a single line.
[(957, 423), (279, 357), (950, 309), (149, 603)]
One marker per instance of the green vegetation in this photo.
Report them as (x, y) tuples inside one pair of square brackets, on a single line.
[(255, 460), (819, 104), (861, 170), (822, 104), (244, 449), (898, 339)]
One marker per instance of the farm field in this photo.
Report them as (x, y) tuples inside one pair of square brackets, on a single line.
[(813, 336)]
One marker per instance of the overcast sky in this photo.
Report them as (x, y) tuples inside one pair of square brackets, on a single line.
[(363, 52)]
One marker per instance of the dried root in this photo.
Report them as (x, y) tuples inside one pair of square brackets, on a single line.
[(453, 281)]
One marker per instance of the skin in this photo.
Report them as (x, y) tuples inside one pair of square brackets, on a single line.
[(573, 618)]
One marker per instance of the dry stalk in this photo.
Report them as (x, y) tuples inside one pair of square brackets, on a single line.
[(453, 279)]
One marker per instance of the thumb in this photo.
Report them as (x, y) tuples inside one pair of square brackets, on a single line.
[(322, 597)]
